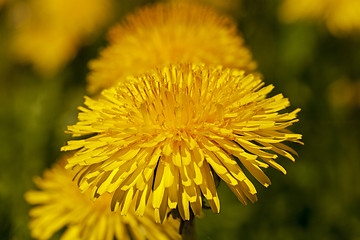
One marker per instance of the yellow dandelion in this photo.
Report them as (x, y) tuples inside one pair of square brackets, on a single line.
[(168, 34), (341, 17), (166, 133), (59, 203), (48, 33)]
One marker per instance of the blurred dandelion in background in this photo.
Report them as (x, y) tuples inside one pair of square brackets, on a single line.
[(168, 33), (48, 34), (341, 17), (167, 132), (60, 204)]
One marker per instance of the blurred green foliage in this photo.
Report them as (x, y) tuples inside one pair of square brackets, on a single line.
[(317, 199)]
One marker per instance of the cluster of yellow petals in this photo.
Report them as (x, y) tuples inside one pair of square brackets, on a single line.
[(162, 135), (59, 203), (48, 33), (169, 33), (341, 17)]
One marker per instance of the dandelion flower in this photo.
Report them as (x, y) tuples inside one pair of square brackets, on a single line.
[(166, 133), (47, 33), (341, 17), (168, 34), (59, 203)]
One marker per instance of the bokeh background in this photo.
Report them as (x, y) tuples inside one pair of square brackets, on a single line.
[(319, 71)]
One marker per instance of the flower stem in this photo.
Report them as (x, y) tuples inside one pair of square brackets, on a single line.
[(187, 228)]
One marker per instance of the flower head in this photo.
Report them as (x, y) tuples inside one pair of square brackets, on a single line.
[(167, 132), (341, 17), (48, 33), (168, 34), (59, 203)]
